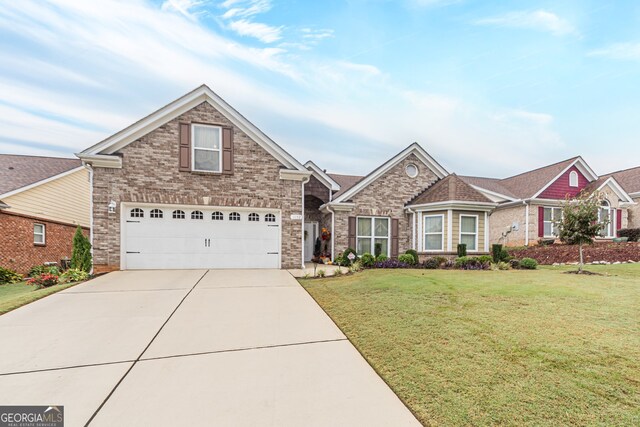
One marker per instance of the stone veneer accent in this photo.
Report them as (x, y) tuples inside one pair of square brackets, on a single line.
[(386, 196), (150, 174)]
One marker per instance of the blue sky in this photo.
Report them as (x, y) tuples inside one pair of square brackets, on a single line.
[(488, 88)]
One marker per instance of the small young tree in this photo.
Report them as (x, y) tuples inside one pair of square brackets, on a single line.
[(81, 255), (579, 224)]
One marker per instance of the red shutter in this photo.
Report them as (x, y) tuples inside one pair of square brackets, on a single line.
[(540, 221), (184, 150), (618, 219), (227, 151), (351, 232), (394, 237)]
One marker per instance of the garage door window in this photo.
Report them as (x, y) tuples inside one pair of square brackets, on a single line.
[(178, 214), (137, 213), (155, 213), (217, 216), (206, 148), (253, 217), (234, 216), (197, 215), (269, 218)]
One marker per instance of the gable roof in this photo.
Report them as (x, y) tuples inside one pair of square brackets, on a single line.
[(530, 184), (610, 181), (345, 181), (322, 176), (629, 179), (104, 150), (452, 188), (19, 172), (414, 149)]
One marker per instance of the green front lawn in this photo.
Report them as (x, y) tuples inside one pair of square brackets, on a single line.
[(498, 348), (18, 294)]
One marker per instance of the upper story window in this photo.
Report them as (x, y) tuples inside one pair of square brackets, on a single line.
[(551, 218), (206, 147), (217, 216), (137, 213), (156, 213), (197, 215), (178, 214), (269, 218), (573, 179), (372, 231), (39, 234)]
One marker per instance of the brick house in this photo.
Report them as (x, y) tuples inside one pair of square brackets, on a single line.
[(42, 202), (196, 185)]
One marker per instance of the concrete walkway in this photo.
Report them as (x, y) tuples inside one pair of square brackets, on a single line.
[(191, 347)]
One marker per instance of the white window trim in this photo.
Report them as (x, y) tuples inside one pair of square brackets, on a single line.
[(194, 148), (610, 233), (425, 233), (553, 218), (373, 232), (43, 234), (573, 179), (460, 233)]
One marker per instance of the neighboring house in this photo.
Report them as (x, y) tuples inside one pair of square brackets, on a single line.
[(529, 203), (629, 180), (196, 185), (42, 201)]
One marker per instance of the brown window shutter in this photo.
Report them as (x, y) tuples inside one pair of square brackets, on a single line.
[(395, 228), (351, 233), (227, 151), (184, 151)]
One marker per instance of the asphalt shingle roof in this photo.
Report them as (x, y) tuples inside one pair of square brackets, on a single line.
[(449, 188), (345, 182), (19, 171)]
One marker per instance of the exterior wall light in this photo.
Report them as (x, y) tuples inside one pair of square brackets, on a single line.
[(112, 206)]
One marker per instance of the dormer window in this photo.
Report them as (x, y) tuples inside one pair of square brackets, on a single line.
[(573, 179), (206, 148)]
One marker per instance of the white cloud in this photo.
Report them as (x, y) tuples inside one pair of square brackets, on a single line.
[(263, 32), (540, 20), (185, 7), (629, 51), (245, 9)]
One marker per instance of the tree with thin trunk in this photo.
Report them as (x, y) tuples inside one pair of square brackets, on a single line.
[(580, 224)]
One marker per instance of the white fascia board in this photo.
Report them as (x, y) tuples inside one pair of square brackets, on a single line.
[(337, 207), (415, 149), (617, 188), (43, 181), (182, 105), (101, 160), (582, 167), (294, 174), (493, 194), (454, 204), (322, 176)]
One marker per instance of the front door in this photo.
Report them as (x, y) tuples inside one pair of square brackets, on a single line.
[(310, 236)]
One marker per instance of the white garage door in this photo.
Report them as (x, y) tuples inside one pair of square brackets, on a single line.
[(163, 237)]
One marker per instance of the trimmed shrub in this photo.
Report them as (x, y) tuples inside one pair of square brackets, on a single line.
[(462, 250), (441, 259), (345, 256), (43, 281), (546, 242), (485, 259), (391, 263), (81, 255), (528, 264), (501, 266), (431, 263), (9, 276), (414, 254), (367, 260), (381, 258), (499, 253), (73, 275), (407, 259), (632, 233), (377, 249), (471, 263)]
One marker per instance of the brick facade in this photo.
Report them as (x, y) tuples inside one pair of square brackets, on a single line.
[(150, 174), (387, 196), (19, 253)]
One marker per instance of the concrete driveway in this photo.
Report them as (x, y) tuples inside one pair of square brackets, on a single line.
[(190, 347)]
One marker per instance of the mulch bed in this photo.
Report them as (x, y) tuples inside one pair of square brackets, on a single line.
[(564, 254)]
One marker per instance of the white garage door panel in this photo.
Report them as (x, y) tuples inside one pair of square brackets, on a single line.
[(157, 243)]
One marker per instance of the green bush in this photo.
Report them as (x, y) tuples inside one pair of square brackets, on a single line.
[(632, 233), (414, 254), (462, 250), (381, 258), (367, 260), (431, 263), (73, 275), (43, 281), (499, 253), (471, 263), (81, 255), (36, 270), (321, 273), (485, 259), (501, 266), (528, 263), (407, 259), (9, 276), (377, 249), (345, 257), (441, 259)]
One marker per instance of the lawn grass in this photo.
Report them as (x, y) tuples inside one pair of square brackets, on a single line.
[(498, 348), (18, 294)]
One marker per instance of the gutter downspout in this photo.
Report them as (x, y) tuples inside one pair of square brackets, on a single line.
[(526, 223), (333, 235), (304, 181), (88, 166), (413, 224)]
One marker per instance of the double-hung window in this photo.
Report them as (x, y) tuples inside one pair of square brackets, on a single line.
[(433, 233), (39, 234), (469, 231), (551, 218), (206, 148), (372, 231), (604, 217)]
